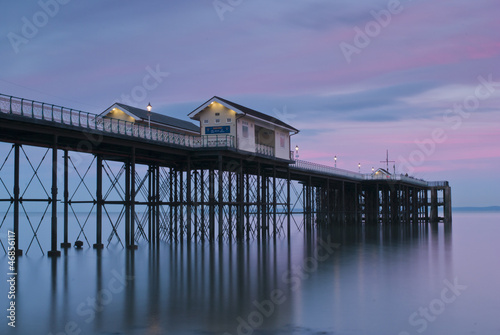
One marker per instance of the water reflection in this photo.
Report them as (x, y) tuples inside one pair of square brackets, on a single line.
[(316, 280)]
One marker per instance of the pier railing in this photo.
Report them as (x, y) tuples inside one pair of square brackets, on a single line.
[(265, 149), (60, 115), (437, 183), (36, 110), (309, 166), (400, 177)]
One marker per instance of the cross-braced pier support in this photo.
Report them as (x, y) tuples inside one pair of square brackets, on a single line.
[(206, 197)]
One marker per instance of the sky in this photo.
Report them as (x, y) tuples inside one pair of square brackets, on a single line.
[(418, 78)]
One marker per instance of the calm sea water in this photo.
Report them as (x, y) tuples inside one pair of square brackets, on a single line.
[(432, 280)]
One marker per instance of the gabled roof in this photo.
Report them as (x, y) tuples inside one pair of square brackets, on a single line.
[(239, 109), (382, 171), (142, 114)]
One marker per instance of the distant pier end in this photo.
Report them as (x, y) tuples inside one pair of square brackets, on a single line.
[(440, 197)]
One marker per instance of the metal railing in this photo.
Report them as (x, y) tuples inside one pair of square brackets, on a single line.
[(70, 117), (304, 165), (264, 149), (400, 177), (213, 141), (437, 183)]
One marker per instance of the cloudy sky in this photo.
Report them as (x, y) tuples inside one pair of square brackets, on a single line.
[(419, 78)]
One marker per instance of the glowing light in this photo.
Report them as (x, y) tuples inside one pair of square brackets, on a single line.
[(149, 107)]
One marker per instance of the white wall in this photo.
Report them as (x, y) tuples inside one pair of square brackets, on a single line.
[(246, 143), (224, 113), (279, 151)]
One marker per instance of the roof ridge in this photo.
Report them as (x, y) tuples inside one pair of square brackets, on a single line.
[(160, 118), (256, 113)]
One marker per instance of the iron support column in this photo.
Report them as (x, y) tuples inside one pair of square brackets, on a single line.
[(211, 202), (258, 194), (426, 204), (150, 203), (127, 203), (414, 215), (53, 228), (17, 199), (202, 204), (447, 205), (343, 218), (98, 244), (221, 199), (230, 199), (328, 206), (274, 201), (157, 207), (176, 204), (288, 200), (195, 204), (181, 202), (247, 176), (171, 200), (131, 244), (356, 205), (241, 210), (263, 204), (308, 202), (188, 198), (66, 243)]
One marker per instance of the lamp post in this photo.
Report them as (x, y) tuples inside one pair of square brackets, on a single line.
[(335, 158), (373, 169), (297, 152), (149, 107), (359, 167)]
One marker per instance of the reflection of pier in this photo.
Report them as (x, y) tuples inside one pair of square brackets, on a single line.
[(216, 284), (177, 186)]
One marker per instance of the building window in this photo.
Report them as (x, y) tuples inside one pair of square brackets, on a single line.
[(244, 130), (228, 120), (205, 121), (282, 140), (217, 120), (217, 114)]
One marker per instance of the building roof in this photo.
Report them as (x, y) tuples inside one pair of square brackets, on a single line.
[(383, 171), (245, 110), (159, 118)]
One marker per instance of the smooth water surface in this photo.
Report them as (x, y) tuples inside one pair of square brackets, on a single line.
[(364, 280)]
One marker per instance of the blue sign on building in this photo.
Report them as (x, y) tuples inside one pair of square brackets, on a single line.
[(217, 130)]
